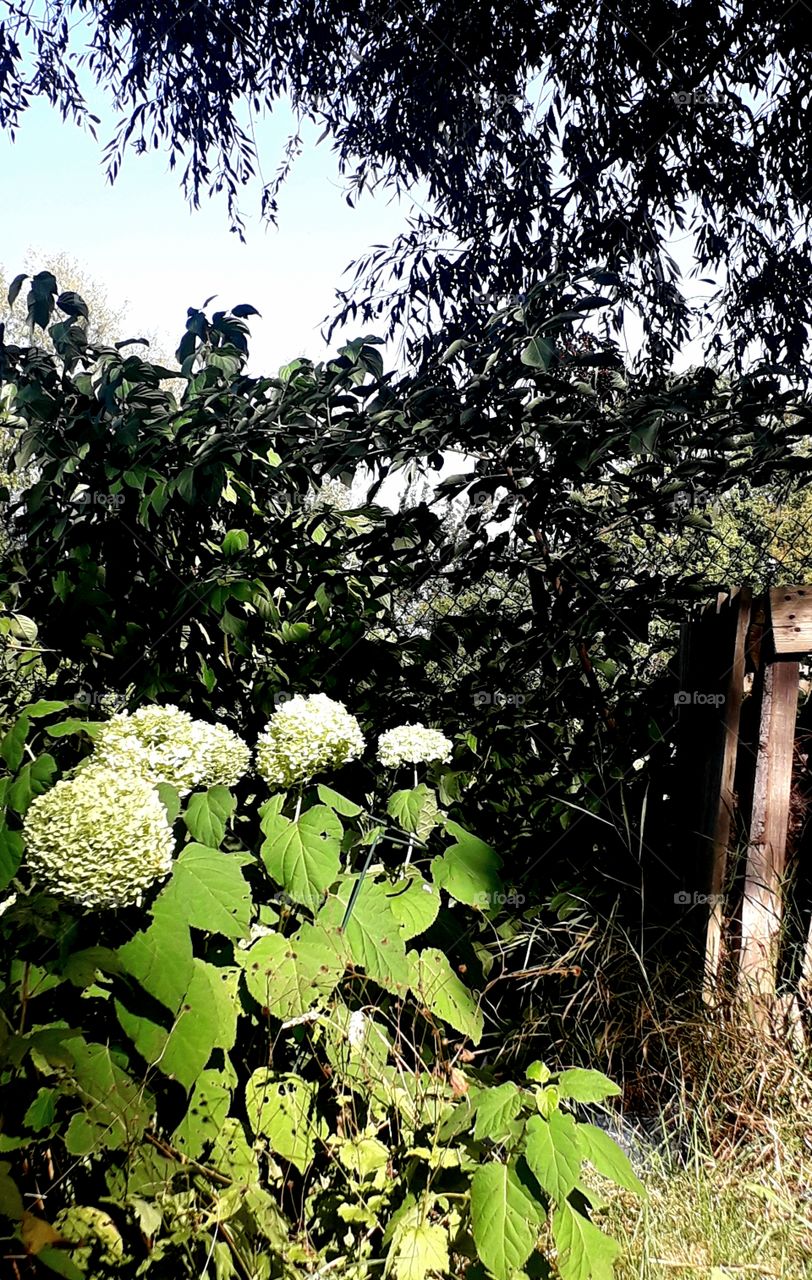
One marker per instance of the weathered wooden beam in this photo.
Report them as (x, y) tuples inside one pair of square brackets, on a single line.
[(766, 853), (731, 684), (791, 619)]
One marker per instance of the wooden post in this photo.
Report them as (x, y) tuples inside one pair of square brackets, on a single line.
[(732, 686), (766, 854)]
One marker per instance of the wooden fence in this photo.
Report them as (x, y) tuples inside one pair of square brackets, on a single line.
[(744, 779)]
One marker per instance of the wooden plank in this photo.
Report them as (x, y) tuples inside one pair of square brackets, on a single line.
[(732, 683), (791, 619), (706, 651), (766, 853)]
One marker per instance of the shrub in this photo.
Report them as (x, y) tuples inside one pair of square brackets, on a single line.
[(270, 1064)]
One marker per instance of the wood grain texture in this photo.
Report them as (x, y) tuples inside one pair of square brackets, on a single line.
[(732, 685), (791, 619), (766, 854)]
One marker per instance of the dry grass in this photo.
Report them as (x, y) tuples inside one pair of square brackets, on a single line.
[(747, 1213), (730, 1184)]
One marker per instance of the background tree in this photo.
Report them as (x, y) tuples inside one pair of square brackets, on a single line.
[(106, 318), (546, 136)]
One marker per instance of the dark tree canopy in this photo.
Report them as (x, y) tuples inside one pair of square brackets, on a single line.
[(547, 136)]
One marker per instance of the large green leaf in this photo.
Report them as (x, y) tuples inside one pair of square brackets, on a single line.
[(116, 1109), (607, 1157), (554, 1153), (208, 890), (582, 1084), (584, 1252), (207, 815), (496, 1109), (12, 744), (11, 854), (206, 1020), (435, 984), (415, 809), (32, 780), (414, 903), (160, 958), (281, 1108), (303, 856), (205, 1115), (290, 975), (469, 870), (347, 808), (419, 1248), (373, 934), (505, 1219)]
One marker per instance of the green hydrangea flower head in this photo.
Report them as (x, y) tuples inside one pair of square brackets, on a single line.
[(413, 744), (304, 737), (101, 838), (165, 744), (224, 757)]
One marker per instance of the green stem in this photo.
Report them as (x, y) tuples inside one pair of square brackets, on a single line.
[(408, 857)]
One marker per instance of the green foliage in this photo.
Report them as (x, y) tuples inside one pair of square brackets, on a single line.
[(266, 1066), (214, 1075)]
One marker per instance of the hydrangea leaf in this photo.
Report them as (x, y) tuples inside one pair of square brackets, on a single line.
[(419, 1248), (496, 1109), (372, 934), (160, 958), (303, 856), (434, 983), (282, 1110), (170, 800), (207, 815), (468, 870), (347, 808), (584, 1251), (359, 1053), (608, 1158), (414, 809), (205, 1116), (206, 1020), (117, 1110), (208, 890), (414, 903), (554, 1153), (232, 1154), (583, 1084), (505, 1219), (289, 975)]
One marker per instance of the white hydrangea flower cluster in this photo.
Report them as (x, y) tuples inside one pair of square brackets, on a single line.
[(303, 737), (412, 744), (101, 838), (224, 757), (165, 744)]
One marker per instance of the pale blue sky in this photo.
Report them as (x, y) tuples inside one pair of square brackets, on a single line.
[(143, 244), (140, 241)]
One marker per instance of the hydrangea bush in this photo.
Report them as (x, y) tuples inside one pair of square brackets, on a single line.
[(265, 1062)]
